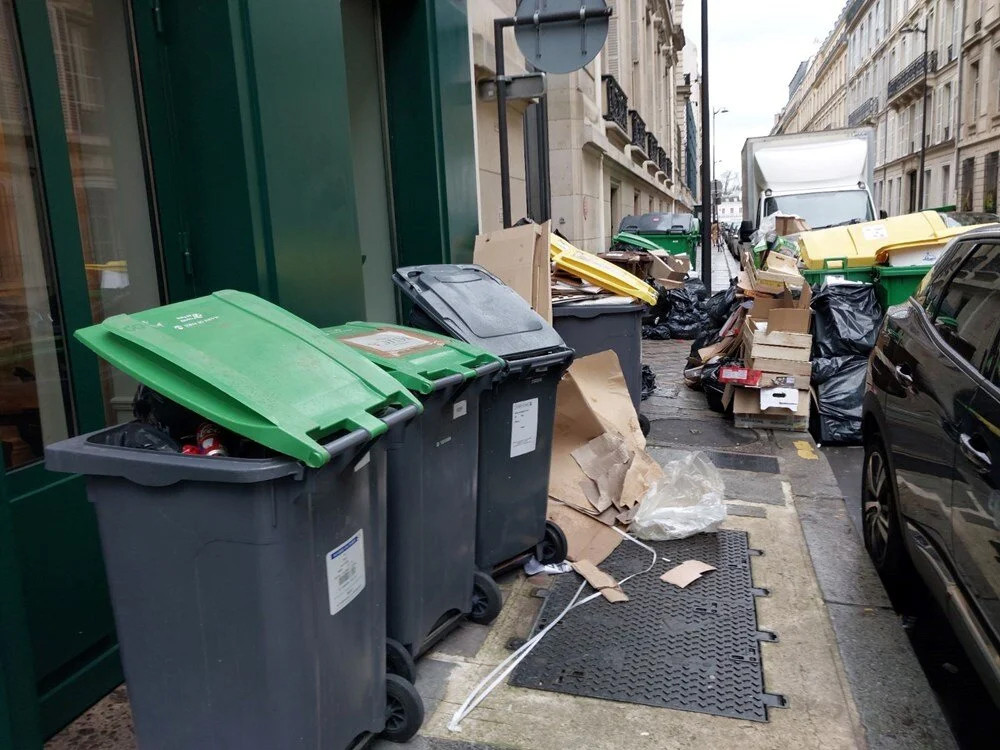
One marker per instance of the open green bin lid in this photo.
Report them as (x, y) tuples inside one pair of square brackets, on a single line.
[(635, 240), (417, 359), (253, 368)]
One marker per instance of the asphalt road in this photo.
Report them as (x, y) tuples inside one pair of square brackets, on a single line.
[(973, 717)]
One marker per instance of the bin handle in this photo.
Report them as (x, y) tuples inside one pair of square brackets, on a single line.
[(841, 261), (449, 381), (488, 369), (361, 435), (544, 360)]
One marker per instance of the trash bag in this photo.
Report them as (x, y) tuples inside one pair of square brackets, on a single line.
[(689, 499), (648, 383), (145, 437), (659, 332), (153, 408), (711, 385), (840, 391), (685, 325), (847, 320), (720, 306)]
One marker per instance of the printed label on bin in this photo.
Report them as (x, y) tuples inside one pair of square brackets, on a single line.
[(875, 232), (345, 571), (459, 409), (391, 343), (524, 427)]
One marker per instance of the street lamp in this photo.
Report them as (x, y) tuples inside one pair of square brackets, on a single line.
[(914, 29), (715, 141)]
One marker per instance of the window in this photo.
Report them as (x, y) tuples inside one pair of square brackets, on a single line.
[(966, 318), (968, 171), (990, 183), (946, 185), (974, 104), (952, 258), (926, 197), (996, 80)]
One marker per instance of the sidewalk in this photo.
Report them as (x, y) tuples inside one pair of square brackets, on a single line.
[(842, 660)]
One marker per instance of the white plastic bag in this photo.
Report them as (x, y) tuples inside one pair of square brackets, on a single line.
[(689, 499)]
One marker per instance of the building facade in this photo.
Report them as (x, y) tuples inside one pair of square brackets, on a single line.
[(296, 149), (618, 128), (889, 45)]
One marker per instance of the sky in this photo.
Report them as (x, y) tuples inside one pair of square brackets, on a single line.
[(754, 50)]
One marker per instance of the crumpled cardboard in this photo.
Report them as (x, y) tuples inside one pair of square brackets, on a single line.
[(605, 459), (519, 257), (686, 573)]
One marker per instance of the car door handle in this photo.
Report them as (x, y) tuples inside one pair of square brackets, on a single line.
[(980, 459), (904, 374)]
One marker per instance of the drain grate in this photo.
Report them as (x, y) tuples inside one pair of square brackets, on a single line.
[(694, 649)]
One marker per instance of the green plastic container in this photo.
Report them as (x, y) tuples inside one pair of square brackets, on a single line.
[(837, 267), (896, 284), (253, 368)]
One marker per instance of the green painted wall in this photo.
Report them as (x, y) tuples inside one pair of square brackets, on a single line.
[(431, 135)]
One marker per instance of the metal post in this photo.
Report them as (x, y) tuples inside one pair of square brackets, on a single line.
[(923, 126), (715, 147), (498, 26), (706, 172)]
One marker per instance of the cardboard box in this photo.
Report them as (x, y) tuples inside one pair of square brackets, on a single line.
[(670, 270), (747, 411), (519, 257), (786, 225)]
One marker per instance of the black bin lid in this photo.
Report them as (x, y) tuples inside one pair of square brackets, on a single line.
[(657, 223), (473, 305)]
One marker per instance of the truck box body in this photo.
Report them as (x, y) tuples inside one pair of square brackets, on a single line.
[(824, 177)]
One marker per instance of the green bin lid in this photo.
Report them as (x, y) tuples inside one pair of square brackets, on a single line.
[(253, 368), (416, 358), (884, 271), (634, 239)]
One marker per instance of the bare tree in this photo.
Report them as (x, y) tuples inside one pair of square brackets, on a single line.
[(730, 183)]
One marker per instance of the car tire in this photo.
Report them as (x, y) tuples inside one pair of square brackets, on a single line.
[(880, 519)]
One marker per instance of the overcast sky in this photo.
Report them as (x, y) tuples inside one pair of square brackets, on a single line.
[(754, 50)]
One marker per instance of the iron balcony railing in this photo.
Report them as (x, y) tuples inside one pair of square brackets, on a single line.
[(652, 146), (912, 73), (665, 164), (864, 113), (616, 103), (638, 130)]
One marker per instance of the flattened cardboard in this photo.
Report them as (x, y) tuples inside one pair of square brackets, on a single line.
[(601, 382), (686, 573), (600, 581), (605, 460), (519, 257), (587, 538)]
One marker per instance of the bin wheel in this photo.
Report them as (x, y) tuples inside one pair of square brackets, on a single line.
[(399, 660), (487, 599), (644, 424), (404, 709), (553, 548)]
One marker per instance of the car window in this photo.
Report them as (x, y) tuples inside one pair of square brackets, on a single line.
[(930, 295), (967, 316)]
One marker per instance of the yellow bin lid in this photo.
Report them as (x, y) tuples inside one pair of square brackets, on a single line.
[(858, 245), (599, 271)]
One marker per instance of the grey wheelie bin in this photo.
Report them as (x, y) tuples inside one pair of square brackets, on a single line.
[(516, 415), (432, 580), (249, 593)]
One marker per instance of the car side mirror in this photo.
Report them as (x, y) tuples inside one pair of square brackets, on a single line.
[(746, 230), (883, 214)]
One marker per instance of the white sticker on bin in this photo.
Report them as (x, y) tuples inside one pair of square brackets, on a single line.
[(460, 409), (875, 232), (392, 343), (523, 427), (345, 571)]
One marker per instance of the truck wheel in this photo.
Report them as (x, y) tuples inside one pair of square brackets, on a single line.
[(404, 709), (487, 599)]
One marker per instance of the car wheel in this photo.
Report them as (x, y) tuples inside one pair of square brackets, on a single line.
[(880, 512)]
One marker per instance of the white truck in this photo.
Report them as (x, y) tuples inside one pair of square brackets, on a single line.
[(823, 177)]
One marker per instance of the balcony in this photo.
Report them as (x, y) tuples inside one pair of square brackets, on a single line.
[(615, 103), (865, 114), (652, 147), (638, 130), (908, 85)]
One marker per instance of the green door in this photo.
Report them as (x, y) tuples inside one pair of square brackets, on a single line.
[(78, 243)]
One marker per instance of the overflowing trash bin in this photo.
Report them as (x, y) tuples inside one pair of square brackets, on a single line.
[(247, 569), (433, 467), (678, 234), (516, 415)]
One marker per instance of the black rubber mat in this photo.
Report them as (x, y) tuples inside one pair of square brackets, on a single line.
[(744, 462), (708, 433), (693, 649)]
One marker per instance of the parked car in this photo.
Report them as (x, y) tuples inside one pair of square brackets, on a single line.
[(931, 425)]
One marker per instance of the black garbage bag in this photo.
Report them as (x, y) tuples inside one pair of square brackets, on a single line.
[(685, 325), (144, 436), (720, 306), (156, 410), (847, 320), (656, 332), (840, 390), (711, 385), (648, 383)]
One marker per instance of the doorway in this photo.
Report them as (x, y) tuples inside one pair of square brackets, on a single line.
[(911, 190)]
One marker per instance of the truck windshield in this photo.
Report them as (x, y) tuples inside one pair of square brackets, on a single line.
[(821, 210)]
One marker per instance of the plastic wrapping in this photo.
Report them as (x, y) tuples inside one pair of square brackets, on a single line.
[(143, 436), (710, 383), (688, 500), (847, 318), (840, 395)]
